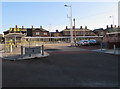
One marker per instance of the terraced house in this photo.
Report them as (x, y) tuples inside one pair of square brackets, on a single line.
[(78, 31)]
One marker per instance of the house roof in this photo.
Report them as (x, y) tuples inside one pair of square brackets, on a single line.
[(78, 29), (113, 30), (39, 29), (99, 29), (24, 29), (14, 35), (6, 31)]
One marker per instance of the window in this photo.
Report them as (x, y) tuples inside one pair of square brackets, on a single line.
[(45, 33), (37, 33), (78, 33), (67, 33), (88, 33)]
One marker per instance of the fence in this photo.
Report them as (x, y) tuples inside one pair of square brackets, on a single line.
[(15, 47)]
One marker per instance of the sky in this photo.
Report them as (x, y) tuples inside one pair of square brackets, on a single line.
[(119, 13), (53, 15)]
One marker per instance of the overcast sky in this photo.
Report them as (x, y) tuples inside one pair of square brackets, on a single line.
[(53, 15)]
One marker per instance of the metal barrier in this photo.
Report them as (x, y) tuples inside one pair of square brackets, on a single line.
[(29, 51)]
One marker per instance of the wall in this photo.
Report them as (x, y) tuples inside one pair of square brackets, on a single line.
[(112, 39)]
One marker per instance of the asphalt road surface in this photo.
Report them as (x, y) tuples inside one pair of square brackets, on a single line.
[(65, 67)]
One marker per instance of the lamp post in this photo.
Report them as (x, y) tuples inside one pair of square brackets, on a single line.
[(112, 19), (74, 28), (50, 32), (74, 32), (71, 30)]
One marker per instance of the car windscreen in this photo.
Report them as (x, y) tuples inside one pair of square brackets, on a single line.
[(85, 41)]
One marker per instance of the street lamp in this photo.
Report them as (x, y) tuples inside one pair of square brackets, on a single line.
[(74, 32), (71, 30), (50, 32), (112, 18)]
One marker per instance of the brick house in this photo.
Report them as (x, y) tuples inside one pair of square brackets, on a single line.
[(112, 36), (40, 32)]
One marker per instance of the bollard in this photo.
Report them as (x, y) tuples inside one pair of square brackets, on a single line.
[(21, 51), (101, 46), (10, 48), (42, 50), (114, 49)]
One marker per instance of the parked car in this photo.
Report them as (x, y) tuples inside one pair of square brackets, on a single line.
[(83, 42), (92, 42)]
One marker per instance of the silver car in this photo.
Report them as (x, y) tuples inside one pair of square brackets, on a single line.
[(83, 42)]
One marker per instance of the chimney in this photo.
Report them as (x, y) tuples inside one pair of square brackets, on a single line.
[(80, 27), (40, 26), (32, 27), (107, 26), (74, 22), (16, 26), (22, 27), (85, 27), (111, 26), (57, 31), (66, 27)]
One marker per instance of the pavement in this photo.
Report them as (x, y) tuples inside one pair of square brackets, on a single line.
[(96, 48), (19, 57), (108, 51)]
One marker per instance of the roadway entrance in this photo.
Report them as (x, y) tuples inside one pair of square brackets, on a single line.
[(35, 41)]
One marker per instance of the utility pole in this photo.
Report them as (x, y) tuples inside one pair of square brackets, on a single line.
[(50, 32)]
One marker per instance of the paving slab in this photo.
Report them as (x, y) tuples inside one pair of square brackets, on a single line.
[(19, 57)]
